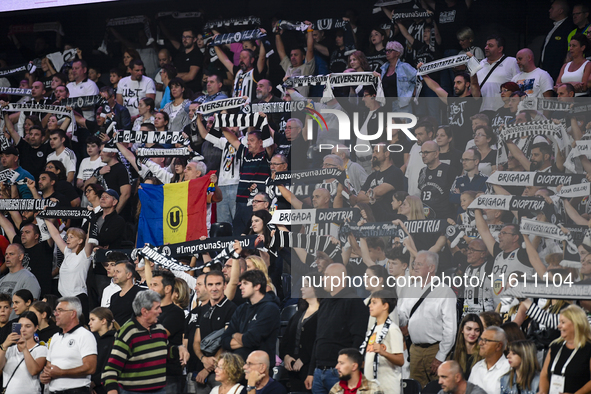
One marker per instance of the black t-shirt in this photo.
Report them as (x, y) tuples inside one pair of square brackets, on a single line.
[(62, 200), (338, 61), (121, 306), (183, 62), (452, 157), (382, 208), (459, 111), (398, 157), (173, 319), (577, 371), (275, 194), (117, 177), (46, 333), (216, 319), (435, 186), (33, 159), (390, 85), (66, 189), (423, 53), (490, 158), (190, 326), (450, 19), (376, 59), (38, 260), (501, 117)]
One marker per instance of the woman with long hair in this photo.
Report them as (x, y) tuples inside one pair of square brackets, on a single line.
[(524, 376), (46, 321), (466, 352), (21, 364), (569, 355), (74, 268), (21, 301), (104, 327), (129, 55), (178, 165), (397, 201), (229, 371), (376, 55), (62, 186), (181, 295), (145, 107), (358, 62), (295, 347), (577, 71), (175, 109)]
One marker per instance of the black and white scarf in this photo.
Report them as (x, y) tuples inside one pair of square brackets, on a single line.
[(573, 191), (8, 176), (15, 91), (221, 105), (25, 204), (76, 213), (531, 129), (547, 230), (410, 14), (450, 62), (582, 148), (379, 339), (231, 38), (58, 59), (151, 137), (83, 101), (51, 109), (29, 67), (194, 247), (275, 107), (533, 178), (385, 3), (151, 253), (245, 21), (310, 176), (289, 217)]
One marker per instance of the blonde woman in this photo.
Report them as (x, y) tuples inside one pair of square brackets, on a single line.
[(229, 372), (574, 344), (412, 208), (74, 268)]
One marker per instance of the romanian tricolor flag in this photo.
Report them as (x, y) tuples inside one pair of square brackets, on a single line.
[(173, 213)]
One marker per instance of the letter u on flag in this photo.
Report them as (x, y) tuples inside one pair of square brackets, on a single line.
[(175, 212)]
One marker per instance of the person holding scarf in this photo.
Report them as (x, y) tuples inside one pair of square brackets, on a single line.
[(383, 344)]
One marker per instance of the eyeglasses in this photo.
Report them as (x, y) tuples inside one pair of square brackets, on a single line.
[(505, 90), (188, 37), (485, 341), (463, 160), (88, 191), (276, 164), (60, 310), (426, 152), (258, 201), (475, 250), (390, 50)]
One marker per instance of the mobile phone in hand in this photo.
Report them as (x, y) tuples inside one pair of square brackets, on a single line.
[(16, 327)]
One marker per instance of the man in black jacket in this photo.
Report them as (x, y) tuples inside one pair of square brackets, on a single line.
[(342, 321), (255, 324), (556, 44)]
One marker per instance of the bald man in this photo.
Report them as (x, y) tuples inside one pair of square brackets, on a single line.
[(452, 380), (344, 314), (532, 80), (435, 181), (256, 372), (321, 198)]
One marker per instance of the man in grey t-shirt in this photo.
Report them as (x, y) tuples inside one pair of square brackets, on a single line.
[(18, 277), (452, 380)]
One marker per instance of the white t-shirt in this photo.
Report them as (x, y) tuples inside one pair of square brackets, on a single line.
[(133, 91), (107, 293), (389, 375), (73, 273), (87, 167), (534, 83), (491, 90), (229, 173), (22, 381), (67, 157), (67, 351), (415, 164)]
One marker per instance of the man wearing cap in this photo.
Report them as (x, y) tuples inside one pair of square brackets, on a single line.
[(113, 176), (106, 231), (9, 159)]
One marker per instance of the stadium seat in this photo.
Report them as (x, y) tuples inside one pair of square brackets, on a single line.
[(411, 386), (433, 387)]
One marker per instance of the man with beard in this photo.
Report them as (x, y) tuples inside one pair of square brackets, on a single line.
[(459, 108), (278, 120), (120, 303), (423, 132), (131, 89), (189, 59), (380, 184), (245, 74), (541, 158), (452, 380), (532, 80), (351, 380), (173, 320)]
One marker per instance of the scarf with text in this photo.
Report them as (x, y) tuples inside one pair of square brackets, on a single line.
[(8, 176), (275, 107), (340, 80), (572, 191), (151, 137), (25, 204), (582, 148), (83, 101), (310, 176), (151, 253), (533, 178), (124, 21), (51, 109), (15, 91), (547, 230), (231, 38), (450, 62), (542, 127), (289, 217), (244, 21), (385, 3), (410, 14), (66, 213), (221, 105), (29, 67), (195, 247)]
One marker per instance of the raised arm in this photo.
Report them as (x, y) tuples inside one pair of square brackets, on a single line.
[(55, 235), (279, 45), (484, 232), (518, 154), (170, 37), (224, 59), (310, 44)]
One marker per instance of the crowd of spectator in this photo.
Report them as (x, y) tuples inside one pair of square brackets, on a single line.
[(81, 311)]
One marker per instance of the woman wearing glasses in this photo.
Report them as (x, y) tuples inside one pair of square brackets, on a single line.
[(229, 372), (484, 139), (398, 78), (21, 364)]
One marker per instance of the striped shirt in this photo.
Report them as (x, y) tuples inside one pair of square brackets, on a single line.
[(138, 359), (253, 170)]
